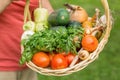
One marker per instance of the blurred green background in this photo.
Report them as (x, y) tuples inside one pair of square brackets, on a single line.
[(107, 66)]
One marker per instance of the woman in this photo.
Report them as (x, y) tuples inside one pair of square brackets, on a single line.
[(11, 21)]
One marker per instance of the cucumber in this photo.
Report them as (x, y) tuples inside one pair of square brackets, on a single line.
[(60, 17)]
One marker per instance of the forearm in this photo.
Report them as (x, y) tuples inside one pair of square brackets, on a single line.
[(46, 4), (4, 4)]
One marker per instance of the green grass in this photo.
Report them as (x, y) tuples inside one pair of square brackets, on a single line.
[(107, 66)]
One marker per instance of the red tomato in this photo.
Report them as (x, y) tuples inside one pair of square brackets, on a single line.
[(41, 59), (51, 55), (59, 62), (70, 57)]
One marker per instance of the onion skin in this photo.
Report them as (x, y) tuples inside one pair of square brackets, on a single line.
[(79, 15)]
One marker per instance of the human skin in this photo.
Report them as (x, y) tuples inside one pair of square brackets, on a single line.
[(4, 4)]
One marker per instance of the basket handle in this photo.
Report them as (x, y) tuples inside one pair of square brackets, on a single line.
[(27, 14), (108, 17)]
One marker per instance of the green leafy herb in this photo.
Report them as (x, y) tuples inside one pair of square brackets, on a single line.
[(59, 39)]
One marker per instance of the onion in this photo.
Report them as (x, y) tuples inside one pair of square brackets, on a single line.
[(27, 34), (79, 15)]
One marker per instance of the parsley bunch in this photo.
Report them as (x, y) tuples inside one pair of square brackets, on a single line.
[(57, 39)]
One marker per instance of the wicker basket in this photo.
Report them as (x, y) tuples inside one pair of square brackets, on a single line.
[(81, 65)]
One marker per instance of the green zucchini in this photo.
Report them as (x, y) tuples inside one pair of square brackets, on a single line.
[(59, 17), (74, 24)]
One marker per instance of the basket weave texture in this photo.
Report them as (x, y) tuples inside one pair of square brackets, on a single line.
[(81, 65)]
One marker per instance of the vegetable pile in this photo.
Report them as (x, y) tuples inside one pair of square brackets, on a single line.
[(54, 40)]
